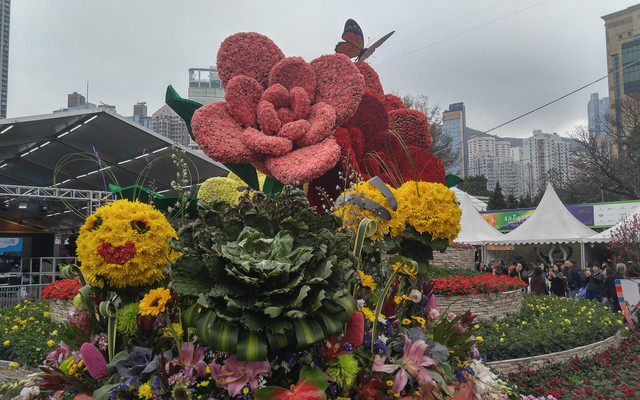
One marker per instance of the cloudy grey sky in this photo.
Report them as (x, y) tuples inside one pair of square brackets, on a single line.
[(502, 58)]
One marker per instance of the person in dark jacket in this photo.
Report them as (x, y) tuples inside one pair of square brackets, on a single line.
[(556, 277), (609, 286), (518, 272), (574, 278), (537, 283), (595, 279)]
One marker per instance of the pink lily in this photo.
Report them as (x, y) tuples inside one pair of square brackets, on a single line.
[(413, 363), (234, 374), (191, 359)]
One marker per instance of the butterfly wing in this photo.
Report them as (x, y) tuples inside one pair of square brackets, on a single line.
[(353, 45), (368, 51)]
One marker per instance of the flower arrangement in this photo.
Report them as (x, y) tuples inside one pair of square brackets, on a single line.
[(477, 284), (124, 243), (269, 299), (279, 112), (545, 325), (61, 289)]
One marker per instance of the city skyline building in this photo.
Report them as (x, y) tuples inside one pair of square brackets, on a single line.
[(140, 116), (5, 18), (494, 159), (622, 31), (544, 155), (453, 125), (167, 123), (205, 85), (598, 115)]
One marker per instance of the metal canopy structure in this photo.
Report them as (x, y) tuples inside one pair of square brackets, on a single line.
[(31, 149)]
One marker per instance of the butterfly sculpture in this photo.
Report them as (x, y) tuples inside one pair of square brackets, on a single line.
[(353, 45)]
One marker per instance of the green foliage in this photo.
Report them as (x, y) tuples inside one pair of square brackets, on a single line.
[(475, 185), (26, 333), (264, 262), (496, 200), (547, 324)]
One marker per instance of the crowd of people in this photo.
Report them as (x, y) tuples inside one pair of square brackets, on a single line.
[(567, 279)]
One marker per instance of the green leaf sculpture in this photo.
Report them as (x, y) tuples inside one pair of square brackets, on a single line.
[(270, 269)]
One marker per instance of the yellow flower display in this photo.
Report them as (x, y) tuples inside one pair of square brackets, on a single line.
[(125, 244), (367, 280), (352, 214), (155, 301), (428, 207)]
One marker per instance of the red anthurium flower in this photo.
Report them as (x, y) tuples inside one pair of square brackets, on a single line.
[(311, 386)]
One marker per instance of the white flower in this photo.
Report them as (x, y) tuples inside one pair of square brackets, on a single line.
[(383, 339), (360, 303)]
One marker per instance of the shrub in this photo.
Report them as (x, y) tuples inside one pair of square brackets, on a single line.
[(478, 284)]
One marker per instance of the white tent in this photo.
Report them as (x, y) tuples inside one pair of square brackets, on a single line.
[(474, 230), (605, 236), (550, 223)]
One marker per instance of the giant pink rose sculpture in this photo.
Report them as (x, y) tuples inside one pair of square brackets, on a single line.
[(280, 112)]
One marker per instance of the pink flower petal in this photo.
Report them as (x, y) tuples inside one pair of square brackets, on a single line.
[(265, 144), (218, 134), (250, 54), (340, 84), (294, 130), (277, 95), (322, 121), (304, 164), (292, 72), (268, 120), (242, 95), (285, 115), (300, 102)]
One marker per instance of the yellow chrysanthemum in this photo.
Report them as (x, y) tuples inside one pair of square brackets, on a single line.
[(367, 280), (14, 365), (155, 301), (405, 269), (124, 244), (220, 188), (352, 214), (428, 207), (145, 392)]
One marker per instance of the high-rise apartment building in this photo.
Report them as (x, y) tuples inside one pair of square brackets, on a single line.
[(493, 159), (167, 123), (5, 16), (622, 30), (453, 125), (205, 85), (544, 155), (598, 114)]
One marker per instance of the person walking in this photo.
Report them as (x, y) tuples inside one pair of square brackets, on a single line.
[(575, 278)]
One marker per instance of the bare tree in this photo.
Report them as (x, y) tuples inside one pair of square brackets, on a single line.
[(607, 166)]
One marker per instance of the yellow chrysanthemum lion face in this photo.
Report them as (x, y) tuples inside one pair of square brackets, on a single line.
[(124, 244)]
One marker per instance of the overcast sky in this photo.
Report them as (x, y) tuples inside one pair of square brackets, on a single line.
[(502, 58)]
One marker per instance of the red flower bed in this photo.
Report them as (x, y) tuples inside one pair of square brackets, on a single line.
[(481, 284), (62, 289), (609, 375)]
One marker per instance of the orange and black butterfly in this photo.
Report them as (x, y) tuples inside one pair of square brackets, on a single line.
[(353, 45)]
